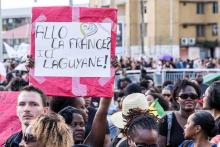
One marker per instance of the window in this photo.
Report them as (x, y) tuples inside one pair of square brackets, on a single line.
[(200, 8), (119, 34), (200, 30), (215, 7), (145, 7), (214, 30)]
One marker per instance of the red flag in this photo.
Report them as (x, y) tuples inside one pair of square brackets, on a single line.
[(9, 122)]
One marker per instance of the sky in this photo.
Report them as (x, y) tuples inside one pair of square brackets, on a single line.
[(7, 4)]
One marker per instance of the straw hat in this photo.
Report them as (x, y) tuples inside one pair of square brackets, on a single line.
[(134, 100)]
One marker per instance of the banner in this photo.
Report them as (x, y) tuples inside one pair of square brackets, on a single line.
[(9, 122), (73, 48)]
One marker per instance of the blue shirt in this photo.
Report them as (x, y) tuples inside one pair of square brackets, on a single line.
[(190, 143)]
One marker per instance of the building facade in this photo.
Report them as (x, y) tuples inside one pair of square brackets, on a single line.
[(182, 28)]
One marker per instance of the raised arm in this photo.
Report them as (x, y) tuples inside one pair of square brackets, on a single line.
[(97, 135)]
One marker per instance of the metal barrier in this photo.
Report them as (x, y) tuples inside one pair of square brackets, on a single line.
[(166, 74)]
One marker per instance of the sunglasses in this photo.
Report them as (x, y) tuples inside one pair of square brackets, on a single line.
[(29, 138), (168, 95), (191, 96)]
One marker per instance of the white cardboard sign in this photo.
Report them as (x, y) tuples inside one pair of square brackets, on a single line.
[(72, 49)]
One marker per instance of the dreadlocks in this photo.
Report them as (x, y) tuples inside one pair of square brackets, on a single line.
[(139, 119), (52, 131)]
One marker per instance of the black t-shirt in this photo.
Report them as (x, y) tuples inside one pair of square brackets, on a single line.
[(14, 140), (176, 135), (91, 115), (217, 123)]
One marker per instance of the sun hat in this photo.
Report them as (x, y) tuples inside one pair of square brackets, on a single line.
[(132, 101)]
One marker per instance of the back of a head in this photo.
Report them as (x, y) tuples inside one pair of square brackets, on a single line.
[(206, 121), (168, 87), (68, 112), (139, 119), (132, 88), (165, 83), (59, 102), (214, 96), (52, 131)]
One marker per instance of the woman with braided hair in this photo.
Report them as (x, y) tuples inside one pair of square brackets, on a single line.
[(141, 128), (48, 130)]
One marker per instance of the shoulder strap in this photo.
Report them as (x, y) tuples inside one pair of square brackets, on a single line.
[(186, 143), (169, 125), (123, 139)]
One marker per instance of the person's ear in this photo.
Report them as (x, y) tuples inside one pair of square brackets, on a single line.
[(198, 129), (46, 109), (177, 100)]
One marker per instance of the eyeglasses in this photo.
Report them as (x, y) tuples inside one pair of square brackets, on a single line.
[(168, 95), (191, 96), (28, 138)]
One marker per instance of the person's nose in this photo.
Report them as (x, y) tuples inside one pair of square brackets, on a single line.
[(27, 108), (79, 128)]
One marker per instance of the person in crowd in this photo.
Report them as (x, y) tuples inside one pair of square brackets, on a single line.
[(123, 80), (211, 63), (141, 128), (167, 94), (211, 101), (151, 97), (93, 137), (16, 84), (199, 128), (166, 83), (203, 87), (58, 103), (48, 130), (167, 65), (131, 101), (185, 94), (132, 88), (31, 103), (75, 120)]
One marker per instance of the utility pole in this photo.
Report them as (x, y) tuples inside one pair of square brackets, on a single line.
[(71, 2), (171, 25), (142, 26), (1, 42)]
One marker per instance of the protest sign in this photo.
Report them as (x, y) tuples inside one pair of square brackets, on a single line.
[(9, 122), (73, 48)]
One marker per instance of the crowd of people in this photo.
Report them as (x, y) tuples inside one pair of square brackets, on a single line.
[(168, 63), (183, 113)]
